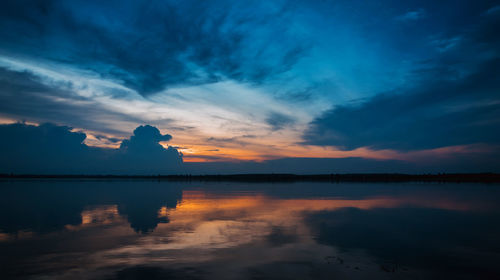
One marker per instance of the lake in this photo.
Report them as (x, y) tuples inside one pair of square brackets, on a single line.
[(145, 229)]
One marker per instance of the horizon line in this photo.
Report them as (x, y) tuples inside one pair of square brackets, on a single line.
[(488, 177)]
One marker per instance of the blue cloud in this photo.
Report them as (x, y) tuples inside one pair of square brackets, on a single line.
[(149, 46), (450, 100), (24, 96), (412, 15), (145, 137), (50, 148), (278, 121)]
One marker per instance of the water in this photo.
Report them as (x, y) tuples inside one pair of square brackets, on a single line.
[(118, 229)]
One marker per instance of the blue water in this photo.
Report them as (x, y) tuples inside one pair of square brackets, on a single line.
[(139, 229)]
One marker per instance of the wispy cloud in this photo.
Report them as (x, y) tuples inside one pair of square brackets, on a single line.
[(151, 46), (493, 10), (411, 15)]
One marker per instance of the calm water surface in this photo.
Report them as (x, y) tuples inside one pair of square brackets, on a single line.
[(66, 229)]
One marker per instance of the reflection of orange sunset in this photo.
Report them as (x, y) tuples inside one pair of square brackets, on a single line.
[(242, 226), (100, 215), (206, 210), (203, 221), (200, 202)]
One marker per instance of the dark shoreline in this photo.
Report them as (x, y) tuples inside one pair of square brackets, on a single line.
[(373, 177)]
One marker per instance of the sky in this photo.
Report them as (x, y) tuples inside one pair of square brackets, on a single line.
[(249, 86)]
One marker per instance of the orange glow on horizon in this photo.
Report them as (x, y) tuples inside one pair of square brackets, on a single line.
[(197, 147)]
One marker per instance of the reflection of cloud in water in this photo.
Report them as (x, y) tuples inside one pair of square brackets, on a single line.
[(98, 216), (203, 222), (44, 207), (144, 213), (226, 233), (4, 236)]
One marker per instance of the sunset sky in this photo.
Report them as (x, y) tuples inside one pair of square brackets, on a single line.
[(394, 85)]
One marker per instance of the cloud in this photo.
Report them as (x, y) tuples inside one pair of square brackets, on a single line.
[(24, 95), (145, 137), (149, 46), (50, 148), (143, 152), (278, 121), (412, 15), (221, 141), (108, 139), (39, 96), (493, 10), (450, 100)]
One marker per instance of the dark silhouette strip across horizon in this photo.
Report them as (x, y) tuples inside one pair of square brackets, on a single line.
[(283, 177)]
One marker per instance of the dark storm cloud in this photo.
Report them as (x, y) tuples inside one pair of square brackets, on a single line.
[(49, 148), (452, 99), (151, 45)]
